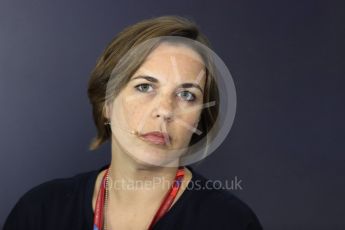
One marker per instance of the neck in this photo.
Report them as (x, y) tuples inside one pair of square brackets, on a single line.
[(135, 183)]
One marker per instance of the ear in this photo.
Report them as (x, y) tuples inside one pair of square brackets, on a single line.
[(107, 110)]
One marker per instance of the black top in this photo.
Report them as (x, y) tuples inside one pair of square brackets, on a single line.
[(64, 204)]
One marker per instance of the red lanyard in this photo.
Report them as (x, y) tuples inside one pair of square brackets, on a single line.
[(168, 200)]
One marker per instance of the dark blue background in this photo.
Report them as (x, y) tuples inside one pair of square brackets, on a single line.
[(287, 59)]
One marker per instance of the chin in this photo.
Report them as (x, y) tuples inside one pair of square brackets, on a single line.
[(154, 157)]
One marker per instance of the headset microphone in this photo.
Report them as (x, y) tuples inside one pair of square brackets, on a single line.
[(133, 132)]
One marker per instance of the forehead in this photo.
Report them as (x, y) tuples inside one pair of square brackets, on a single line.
[(173, 61), (165, 49)]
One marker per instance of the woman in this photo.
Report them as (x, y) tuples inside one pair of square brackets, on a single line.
[(148, 92)]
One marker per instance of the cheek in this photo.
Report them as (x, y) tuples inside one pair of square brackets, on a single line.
[(133, 112), (190, 123), (191, 118), (125, 112)]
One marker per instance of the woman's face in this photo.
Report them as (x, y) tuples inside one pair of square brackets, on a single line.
[(161, 104)]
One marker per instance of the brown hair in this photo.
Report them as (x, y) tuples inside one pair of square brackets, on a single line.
[(119, 47)]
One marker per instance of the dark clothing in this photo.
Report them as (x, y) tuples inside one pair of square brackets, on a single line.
[(64, 204)]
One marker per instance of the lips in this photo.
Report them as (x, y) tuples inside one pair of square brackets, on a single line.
[(157, 138)]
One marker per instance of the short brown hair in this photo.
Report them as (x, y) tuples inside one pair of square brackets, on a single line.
[(120, 45)]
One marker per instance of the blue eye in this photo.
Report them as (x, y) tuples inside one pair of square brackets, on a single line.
[(144, 88), (186, 95)]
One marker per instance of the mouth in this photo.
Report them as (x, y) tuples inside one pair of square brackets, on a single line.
[(157, 138)]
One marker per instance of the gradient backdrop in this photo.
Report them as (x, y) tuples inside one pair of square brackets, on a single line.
[(287, 59)]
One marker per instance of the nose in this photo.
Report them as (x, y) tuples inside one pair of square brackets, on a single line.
[(164, 109)]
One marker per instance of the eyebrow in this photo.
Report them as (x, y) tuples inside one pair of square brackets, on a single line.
[(184, 85), (148, 78)]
